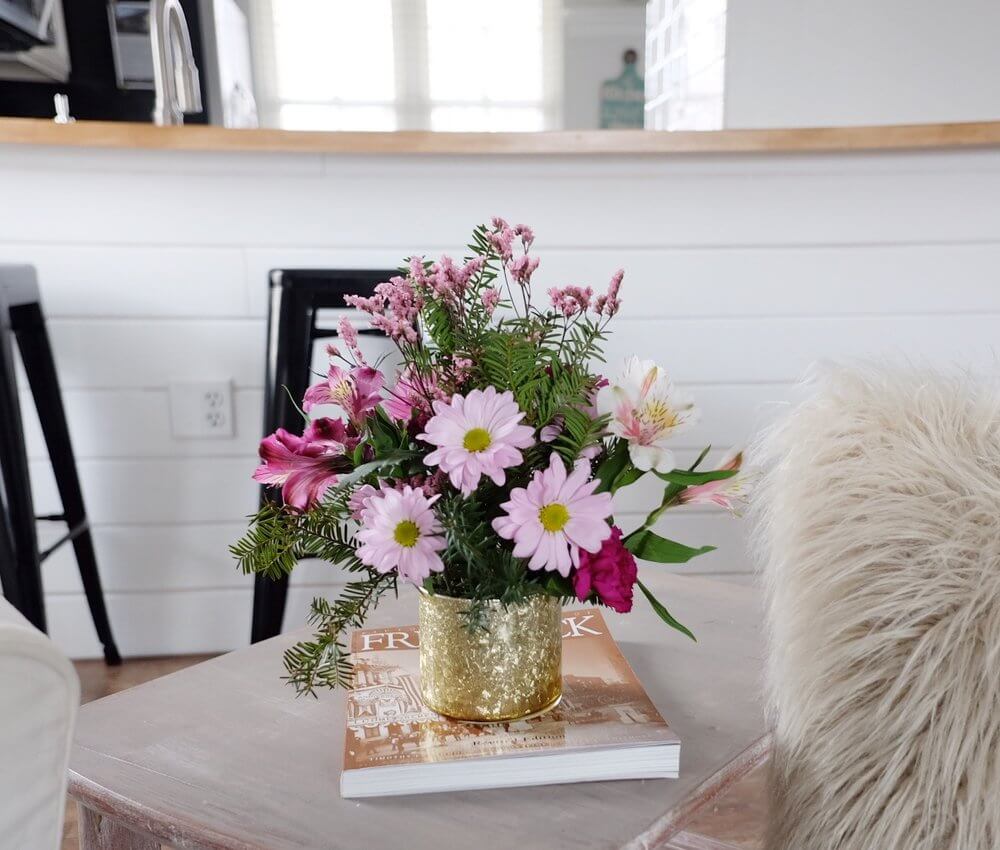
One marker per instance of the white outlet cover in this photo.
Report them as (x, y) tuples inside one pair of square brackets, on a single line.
[(202, 409)]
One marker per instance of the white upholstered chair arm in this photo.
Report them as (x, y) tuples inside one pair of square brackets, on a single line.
[(39, 696)]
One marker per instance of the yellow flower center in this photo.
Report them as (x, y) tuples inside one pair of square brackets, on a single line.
[(553, 517), (406, 533), (477, 440), (659, 414)]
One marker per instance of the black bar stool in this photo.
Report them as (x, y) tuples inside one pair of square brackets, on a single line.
[(21, 319), (295, 296)]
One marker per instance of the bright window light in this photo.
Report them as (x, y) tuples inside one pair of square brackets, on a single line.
[(478, 51), (459, 65), (328, 75)]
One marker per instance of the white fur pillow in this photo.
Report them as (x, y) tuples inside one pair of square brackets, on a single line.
[(878, 527)]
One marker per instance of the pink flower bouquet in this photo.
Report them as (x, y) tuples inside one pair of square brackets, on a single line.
[(484, 469)]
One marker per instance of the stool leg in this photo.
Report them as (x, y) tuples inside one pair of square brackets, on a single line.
[(86, 559), (9, 583), (289, 354), (269, 598), (20, 513), (40, 367)]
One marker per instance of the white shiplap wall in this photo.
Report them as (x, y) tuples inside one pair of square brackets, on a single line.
[(741, 271)]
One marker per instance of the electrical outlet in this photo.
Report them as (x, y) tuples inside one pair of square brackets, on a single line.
[(202, 409)]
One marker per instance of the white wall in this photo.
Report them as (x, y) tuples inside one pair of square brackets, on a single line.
[(817, 63), (740, 272)]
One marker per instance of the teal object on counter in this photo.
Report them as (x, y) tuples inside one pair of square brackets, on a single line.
[(623, 99)]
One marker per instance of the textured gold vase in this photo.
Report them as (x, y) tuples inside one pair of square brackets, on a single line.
[(510, 669)]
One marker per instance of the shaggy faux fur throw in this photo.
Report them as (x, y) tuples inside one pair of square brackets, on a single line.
[(878, 528)]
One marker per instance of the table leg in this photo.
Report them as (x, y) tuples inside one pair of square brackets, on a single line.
[(99, 832)]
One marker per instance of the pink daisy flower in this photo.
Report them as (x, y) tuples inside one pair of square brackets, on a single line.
[(358, 503), (401, 533), (555, 517), (476, 435)]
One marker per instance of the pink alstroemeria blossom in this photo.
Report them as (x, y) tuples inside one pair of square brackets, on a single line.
[(412, 395), (356, 392), (610, 572), (647, 410), (726, 493), (401, 533), (303, 469), (478, 434), (556, 516), (331, 434)]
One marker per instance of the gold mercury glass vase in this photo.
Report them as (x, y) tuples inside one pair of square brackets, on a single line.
[(508, 670)]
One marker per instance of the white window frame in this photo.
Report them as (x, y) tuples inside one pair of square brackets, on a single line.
[(412, 104)]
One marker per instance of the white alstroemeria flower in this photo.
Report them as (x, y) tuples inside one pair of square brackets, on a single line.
[(647, 410)]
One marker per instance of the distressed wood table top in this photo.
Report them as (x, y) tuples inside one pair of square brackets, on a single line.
[(223, 755)]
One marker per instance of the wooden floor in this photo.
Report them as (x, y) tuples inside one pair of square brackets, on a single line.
[(733, 822)]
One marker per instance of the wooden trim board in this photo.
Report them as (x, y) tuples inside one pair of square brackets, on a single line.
[(108, 134)]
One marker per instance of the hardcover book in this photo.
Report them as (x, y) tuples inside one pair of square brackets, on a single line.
[(605, 727)]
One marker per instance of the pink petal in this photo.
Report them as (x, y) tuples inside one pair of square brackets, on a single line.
[(587, 534), (527, 538)]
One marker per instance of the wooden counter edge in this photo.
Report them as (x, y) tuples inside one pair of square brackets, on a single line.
[(122, 135)]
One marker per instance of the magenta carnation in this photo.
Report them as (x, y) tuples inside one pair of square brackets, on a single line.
[(610, 573)]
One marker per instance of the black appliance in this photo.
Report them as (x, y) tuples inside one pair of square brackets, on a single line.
[(25, 24)]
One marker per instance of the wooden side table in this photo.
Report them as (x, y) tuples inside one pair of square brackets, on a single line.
[(223, 756)]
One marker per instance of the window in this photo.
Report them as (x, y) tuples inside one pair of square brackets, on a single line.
[(485, 69), (326, 77), (685, 64), (471, 65)]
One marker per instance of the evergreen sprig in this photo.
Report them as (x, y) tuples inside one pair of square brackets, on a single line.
[(325, 661)]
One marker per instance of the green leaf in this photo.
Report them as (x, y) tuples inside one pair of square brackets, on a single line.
[(649, 546), (390, 458), (664, 614), (629, 475), (612, 466), (557, 585), (701, 457), (385, 433), (692, 479)]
